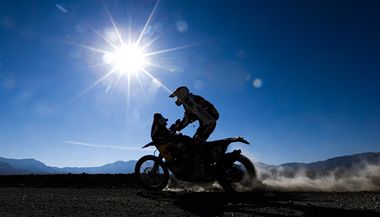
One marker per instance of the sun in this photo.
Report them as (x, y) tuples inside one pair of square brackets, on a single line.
[(128, 58)]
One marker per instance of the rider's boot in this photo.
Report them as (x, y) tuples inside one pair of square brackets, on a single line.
[(198, 144)]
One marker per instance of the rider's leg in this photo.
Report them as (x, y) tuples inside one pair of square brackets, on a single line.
[(202, 134), (204, 131)]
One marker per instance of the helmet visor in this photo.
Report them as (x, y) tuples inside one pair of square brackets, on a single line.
[(178, 102)]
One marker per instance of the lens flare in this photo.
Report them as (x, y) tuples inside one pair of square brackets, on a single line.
[(126, 59)]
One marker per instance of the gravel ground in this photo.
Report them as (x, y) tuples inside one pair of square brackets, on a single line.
[(136, 202)]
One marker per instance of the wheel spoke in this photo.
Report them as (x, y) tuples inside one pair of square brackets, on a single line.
[(152, 172), (241, 177)]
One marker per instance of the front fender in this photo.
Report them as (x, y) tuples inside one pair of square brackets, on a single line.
[(148, 145)]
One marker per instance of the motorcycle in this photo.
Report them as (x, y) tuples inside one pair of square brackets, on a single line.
[(187, 162)]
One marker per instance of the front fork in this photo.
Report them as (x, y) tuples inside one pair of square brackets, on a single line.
[(156, 165)]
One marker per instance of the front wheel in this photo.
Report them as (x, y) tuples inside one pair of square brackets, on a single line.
[(152, 173), (240, 177)]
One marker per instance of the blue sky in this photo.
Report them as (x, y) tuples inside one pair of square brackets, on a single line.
[(298, 79)]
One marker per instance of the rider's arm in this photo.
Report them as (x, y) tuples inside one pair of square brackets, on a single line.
[(186, 120)]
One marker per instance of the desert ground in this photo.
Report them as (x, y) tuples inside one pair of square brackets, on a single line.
[(128, 201), (120, 195)]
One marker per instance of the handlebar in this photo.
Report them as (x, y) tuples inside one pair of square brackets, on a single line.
[(173, 127)]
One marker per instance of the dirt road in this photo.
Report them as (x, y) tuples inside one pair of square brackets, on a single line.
[(136, 202)]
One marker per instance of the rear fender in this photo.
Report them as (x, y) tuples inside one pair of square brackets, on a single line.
[(226, 142), (237, 139), (219, 147)]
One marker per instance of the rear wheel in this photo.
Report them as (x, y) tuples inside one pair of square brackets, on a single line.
[(152, 173), (240, 177)]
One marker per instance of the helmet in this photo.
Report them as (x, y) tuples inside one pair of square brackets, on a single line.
[(181, 93)]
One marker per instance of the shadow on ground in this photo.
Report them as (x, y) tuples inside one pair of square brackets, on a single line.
[(273, 204)]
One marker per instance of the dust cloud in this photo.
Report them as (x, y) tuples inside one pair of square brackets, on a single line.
[(327, 176), (358, 177)]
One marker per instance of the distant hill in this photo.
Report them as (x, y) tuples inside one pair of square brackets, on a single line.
[(32, 166), (25, 166), (112, 168), (6, 169), (339, 165)]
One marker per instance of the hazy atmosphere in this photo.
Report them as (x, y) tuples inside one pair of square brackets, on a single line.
[(299, 81)]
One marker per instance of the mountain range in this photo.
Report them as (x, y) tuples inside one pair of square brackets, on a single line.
[(340, 165), (32, 166)]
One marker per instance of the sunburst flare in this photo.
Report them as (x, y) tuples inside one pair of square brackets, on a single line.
[(127, 57)]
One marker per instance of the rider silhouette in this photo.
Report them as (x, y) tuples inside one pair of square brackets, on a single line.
[(196, 109)]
